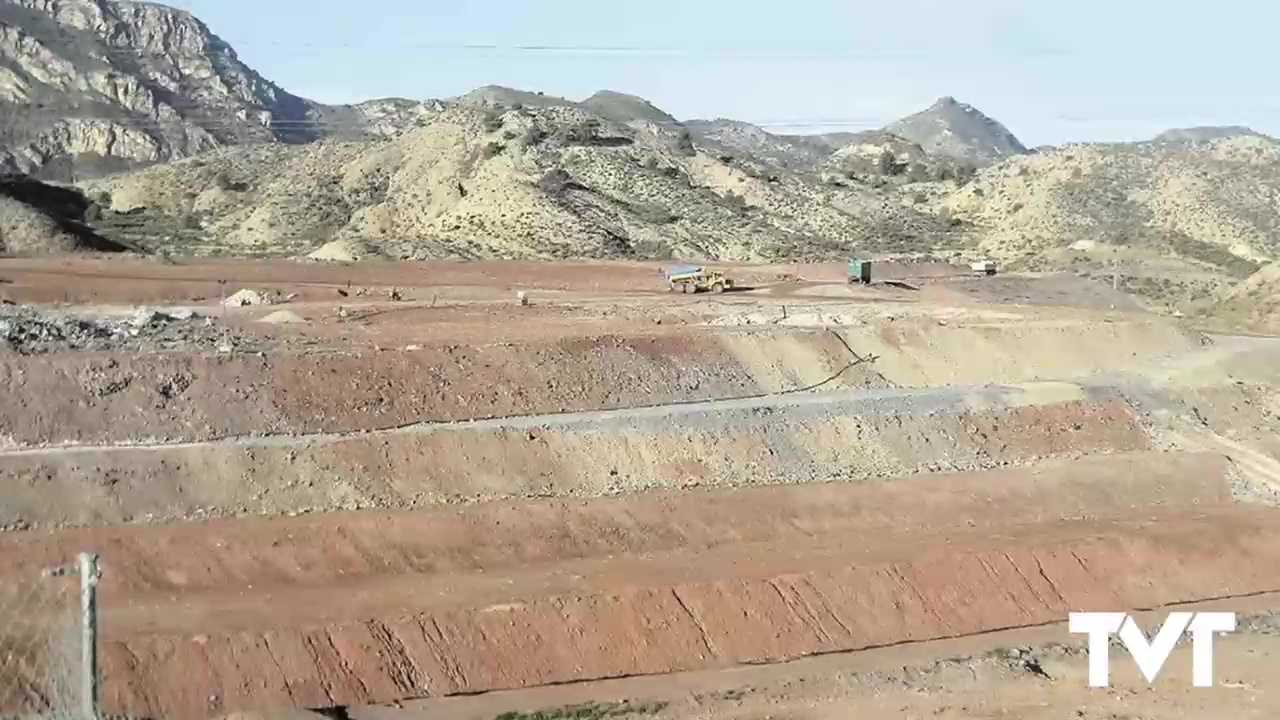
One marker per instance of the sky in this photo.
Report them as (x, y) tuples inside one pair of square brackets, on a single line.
[(1052, 71)]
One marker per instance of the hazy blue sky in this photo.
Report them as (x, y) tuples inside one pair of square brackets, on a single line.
[(1052, 70)]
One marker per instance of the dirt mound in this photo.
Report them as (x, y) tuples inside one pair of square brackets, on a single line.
[(282, 317), (248, 297)]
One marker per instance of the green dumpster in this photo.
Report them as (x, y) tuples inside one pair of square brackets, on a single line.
[(859, 271)]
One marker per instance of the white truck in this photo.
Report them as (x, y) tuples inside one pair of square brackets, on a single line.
[(984, 267)]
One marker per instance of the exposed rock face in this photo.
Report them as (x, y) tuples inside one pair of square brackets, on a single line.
[(958, 131), (93, 85)]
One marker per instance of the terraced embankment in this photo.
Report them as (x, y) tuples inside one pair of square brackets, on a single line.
[(212, 617), (643, 503), (849, 435), (91, 398)]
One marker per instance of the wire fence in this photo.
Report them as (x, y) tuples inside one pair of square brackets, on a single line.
[(48, 643)]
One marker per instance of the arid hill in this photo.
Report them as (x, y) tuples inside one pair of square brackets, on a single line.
[(552, 181), (1256, 301), (1215, 202)]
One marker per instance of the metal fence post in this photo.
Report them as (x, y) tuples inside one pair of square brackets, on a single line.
[(88, 566)]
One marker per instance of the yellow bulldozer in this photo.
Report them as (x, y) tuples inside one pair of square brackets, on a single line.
[(695, 278)]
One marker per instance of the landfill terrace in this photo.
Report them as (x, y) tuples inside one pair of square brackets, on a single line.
[(461, 489)]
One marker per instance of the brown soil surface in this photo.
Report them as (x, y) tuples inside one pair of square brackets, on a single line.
[(960, 586), (519, 594), (71, 398), (551, 456), (1031, 673), (450, 493)]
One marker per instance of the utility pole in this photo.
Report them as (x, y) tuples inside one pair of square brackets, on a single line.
[(88, 566)]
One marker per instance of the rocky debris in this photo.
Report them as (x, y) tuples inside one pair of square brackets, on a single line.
[(28, 330), (247, 297)]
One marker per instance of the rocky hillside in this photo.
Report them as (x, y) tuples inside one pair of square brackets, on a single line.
[(88, 86), (947, 134), (1216, 202), (1256, 301), (485, 180)]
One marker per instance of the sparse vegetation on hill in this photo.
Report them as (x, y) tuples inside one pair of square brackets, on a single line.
[(504, 172), (1256, 301), (1214, 202), (548, 182)]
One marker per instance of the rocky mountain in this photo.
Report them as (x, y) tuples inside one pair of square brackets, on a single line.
[(504, 98), (88, 86), (828, 142), (534, 181), (948, 134), (882, 158), (952, 129)]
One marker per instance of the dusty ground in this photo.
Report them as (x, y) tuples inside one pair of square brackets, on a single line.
[(1033, 674), (381, 500)]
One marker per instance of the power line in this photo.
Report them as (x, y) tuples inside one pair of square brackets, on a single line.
[(602, 50)]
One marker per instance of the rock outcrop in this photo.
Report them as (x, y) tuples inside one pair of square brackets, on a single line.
[(958, 131), (88, 86)]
